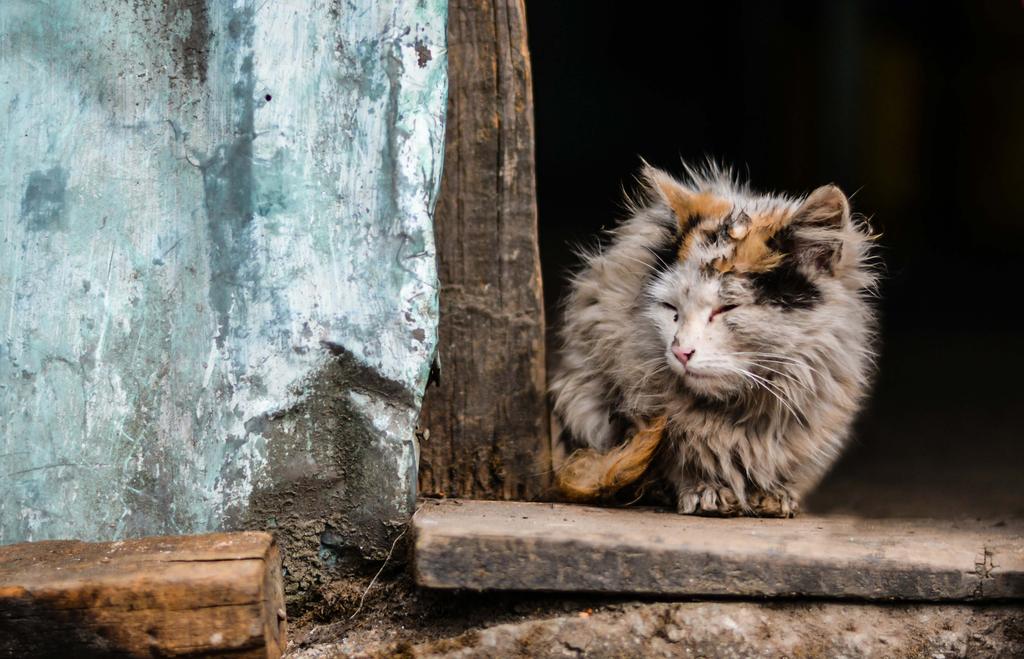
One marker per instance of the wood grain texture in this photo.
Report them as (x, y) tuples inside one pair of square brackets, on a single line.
[(532, 546), (483, 427), (161, 596)]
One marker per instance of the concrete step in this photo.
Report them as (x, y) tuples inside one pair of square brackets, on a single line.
[(487, 545)]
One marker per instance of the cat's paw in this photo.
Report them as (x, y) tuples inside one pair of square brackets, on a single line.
[(773, 504), (708, 500)]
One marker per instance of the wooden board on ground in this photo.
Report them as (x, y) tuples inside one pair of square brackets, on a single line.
[(162, 596), (482, 545)]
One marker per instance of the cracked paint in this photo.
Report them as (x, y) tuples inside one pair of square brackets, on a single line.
[(197, 199)]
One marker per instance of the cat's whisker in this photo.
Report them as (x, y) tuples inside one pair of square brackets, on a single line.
[(655, 255), (660, 359), (647, 378), (771, 388), (789, 376), (781, 359), (773, 355), (646, 265)]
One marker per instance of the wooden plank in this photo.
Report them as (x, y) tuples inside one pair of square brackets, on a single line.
[(168, 596), (484, 428), (483, 545)]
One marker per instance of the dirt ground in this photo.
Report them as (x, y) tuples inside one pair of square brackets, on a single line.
[(396, 614), (399, 619)]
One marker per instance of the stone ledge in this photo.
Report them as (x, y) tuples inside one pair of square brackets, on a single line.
[(481, 545)]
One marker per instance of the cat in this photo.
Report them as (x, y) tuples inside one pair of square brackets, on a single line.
[(730, 333)]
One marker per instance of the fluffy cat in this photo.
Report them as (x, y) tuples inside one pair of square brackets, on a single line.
[(730, 334)]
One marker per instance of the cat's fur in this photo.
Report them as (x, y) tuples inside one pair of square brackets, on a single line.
[(776, 286)]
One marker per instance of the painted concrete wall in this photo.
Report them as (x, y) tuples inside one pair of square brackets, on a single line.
[(217, 283)]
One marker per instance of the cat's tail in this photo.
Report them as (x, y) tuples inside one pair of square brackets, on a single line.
[(588, 475)]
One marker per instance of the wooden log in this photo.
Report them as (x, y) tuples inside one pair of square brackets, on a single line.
[(160, 596), (483, 427), (482, 545)]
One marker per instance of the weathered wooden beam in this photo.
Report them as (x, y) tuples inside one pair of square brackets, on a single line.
[(532, 546), (161, 596), (483, 427)]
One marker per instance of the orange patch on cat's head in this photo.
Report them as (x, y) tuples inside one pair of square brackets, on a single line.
[(688, 206), (750, 234), (699, 207), (753, 254)]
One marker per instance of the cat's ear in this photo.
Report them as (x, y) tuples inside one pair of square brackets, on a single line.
[(819, 226), (664, 186)]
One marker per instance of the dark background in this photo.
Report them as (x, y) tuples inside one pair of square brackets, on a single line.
[(914, 108)]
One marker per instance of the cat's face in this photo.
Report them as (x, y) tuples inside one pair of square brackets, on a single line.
[(720, 334), (697, 321), (745, 286)]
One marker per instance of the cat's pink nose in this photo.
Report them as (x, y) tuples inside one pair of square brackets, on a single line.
[(683, 354)]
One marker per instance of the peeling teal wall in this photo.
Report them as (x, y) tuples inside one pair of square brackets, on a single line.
[(218, 298)]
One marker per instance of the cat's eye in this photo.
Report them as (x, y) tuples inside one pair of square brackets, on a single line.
[(675, 312), (722, 309)]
